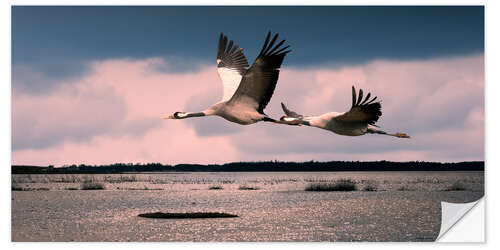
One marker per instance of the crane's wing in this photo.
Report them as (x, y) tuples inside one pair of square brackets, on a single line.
[(362, 111), (259, 81), (231, 66), (290, 113)]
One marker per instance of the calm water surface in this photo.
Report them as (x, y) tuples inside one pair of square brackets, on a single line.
[(404, 207)]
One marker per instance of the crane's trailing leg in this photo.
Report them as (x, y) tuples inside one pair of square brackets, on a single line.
[(372, 130)]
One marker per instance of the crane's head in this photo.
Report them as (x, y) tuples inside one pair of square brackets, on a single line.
[(177, 115), (290, 120), (287, 118)]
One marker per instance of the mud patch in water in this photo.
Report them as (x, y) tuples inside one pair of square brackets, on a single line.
[(159, 215)]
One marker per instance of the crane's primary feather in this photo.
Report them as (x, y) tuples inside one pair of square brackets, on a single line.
[(231, 66), (259, 81), (362, 111)]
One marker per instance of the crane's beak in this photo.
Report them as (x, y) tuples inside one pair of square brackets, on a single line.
[(169, 117)]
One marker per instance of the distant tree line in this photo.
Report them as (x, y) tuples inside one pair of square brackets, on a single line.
[(263, 166)]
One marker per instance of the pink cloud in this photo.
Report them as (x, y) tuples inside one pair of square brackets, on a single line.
[(113, 114)]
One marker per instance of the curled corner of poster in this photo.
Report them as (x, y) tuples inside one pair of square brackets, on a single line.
[(462, 222)]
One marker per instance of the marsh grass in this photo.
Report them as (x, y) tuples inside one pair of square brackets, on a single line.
[(316, 180), (19, 188), (405, 188), (215, 187), (70, 178), (23, 179), (370, 185), (90, 185), (339, 185), (120, 178), (277, 180), (456, 186), (427, 180), (143, 188), (370, 188), (195, 215), (188, 180)]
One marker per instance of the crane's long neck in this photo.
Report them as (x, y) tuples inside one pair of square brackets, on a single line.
[(307, 123), (312, 121), (194, 114), (184, 115), (296, 121), (210, 111)]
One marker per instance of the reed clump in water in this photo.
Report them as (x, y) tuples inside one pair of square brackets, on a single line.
[(246, 187), (90, 185), (19, 188), (456, 186), (405, 188), (370, 188), (339, 185), (215, 187)]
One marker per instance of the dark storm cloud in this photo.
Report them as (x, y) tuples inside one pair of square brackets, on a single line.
[(318, 35)]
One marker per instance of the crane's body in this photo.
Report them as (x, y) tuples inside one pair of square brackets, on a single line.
[(235, 112), (246, 91), (359, 120), (327, 121)]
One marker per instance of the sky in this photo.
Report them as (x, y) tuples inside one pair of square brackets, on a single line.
[(91, 84)]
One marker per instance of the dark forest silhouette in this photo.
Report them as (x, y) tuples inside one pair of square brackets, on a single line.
[(254, 167)]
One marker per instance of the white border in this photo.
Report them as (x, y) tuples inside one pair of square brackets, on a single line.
[(492, 124)]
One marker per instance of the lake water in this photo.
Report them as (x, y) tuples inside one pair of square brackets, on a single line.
[(272, 206)]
